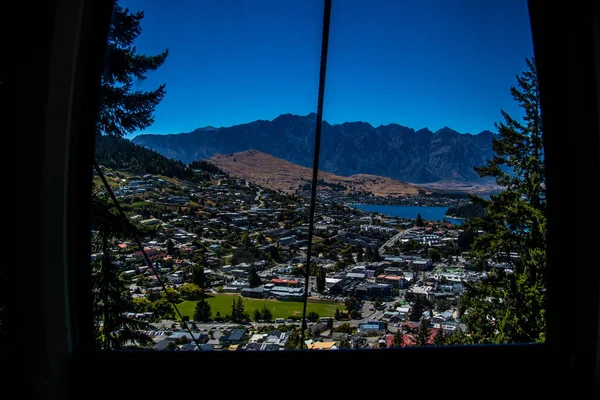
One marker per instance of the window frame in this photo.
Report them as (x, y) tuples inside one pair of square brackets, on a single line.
[(64, 361)]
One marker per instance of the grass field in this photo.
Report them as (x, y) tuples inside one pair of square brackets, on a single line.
[(279, 309)]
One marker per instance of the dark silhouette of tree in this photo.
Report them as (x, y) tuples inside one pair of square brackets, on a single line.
[(337, 315), (170, 247), (320, 278), (416, 312), (253, 278), (360, 254), (294, 341), (422, 336), (440, 337), (312, 316), (202, 311), (398, 340), (419, 222), (111, 297), (198, 277), (237, 310), (120, 111), (266, 314), (510, 307)]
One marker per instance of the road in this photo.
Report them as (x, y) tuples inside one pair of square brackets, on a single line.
[(393, 240)]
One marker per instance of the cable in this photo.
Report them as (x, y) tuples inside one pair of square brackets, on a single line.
[(324, 45), (133, 232)]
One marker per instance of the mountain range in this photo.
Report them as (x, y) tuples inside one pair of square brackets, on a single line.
[(351, 148)]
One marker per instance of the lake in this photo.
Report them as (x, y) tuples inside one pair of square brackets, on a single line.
[(427, 213)]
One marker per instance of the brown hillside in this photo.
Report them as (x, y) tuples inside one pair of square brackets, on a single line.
[(265, 170)]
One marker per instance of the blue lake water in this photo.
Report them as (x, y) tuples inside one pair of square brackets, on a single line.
[(427, 213)]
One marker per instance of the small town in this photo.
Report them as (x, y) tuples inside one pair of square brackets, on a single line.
[(381, 282)]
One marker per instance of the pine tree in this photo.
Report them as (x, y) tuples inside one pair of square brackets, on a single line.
[(111, 297), (398, 340), (509, 307), (253, 278), (440, 337), (202, 310), (422, 336), (320, 278), (419, 221), (120, 111), (198, 277)]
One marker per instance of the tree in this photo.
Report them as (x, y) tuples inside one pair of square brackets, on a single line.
[(120, 111), (142, 304), (257, 315), (163, 309), (344, 343), (440, 337), (174, 295), (422, 336), (509, 307), (320, 278), (190, 291), (294, 341), (237, 310), (198, 277), (267, 315), (202, 311), (398, 340), (337, 315), (360, 254), (244, 240), (351, 304), (312, 316), (377, 302), (434, 254), (170, 247), (111, 297), (253, 278), (416, 312), (419, 222)]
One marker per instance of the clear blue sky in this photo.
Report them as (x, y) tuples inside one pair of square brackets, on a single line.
[(430, 63)]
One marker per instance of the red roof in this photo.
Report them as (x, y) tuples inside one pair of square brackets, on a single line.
[(289, 281)]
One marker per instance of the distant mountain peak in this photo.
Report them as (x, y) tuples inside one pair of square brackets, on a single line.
[(347, 149)]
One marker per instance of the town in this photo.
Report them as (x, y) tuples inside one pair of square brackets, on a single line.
[(388, 282)]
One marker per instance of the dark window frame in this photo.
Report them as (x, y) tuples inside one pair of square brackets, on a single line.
[(61, 359)]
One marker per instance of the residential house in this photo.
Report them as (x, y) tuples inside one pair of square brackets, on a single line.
[(322, 346), (374, 327), (235, 337)]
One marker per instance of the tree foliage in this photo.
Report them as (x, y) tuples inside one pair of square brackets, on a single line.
[(422, 336), (190, 291), (120, 111), (419, 222), (123, 110), (202, 312), (198, 277), (253, 278), (509, 306), (320, 278), (398, 340)]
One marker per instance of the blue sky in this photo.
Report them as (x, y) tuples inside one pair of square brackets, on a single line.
[(420, 64)]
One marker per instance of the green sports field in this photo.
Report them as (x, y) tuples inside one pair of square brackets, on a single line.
[(279, 309)]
